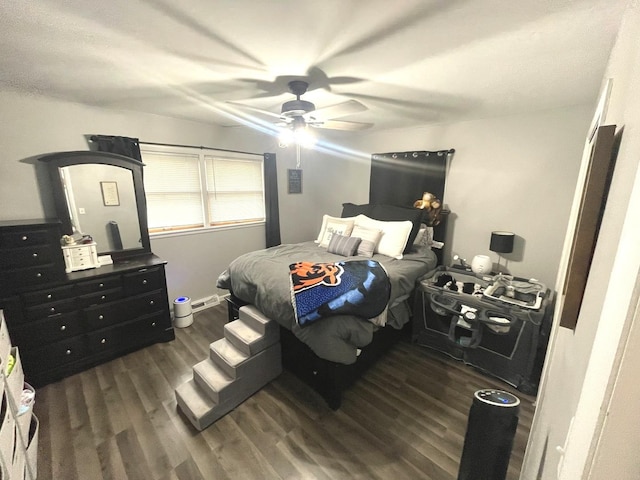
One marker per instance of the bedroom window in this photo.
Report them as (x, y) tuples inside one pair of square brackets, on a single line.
[(189, 189)]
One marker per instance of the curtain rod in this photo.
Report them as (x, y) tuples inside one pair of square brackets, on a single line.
[(94, 138), (201, 147)]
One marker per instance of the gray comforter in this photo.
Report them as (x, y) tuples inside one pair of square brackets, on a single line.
[(262, 279)]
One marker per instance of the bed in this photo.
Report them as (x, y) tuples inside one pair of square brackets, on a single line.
[(331, 352)]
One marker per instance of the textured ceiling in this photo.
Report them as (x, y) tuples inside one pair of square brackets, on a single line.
[(410, 62)]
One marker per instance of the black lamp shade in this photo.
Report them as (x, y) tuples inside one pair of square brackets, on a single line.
[(501, 242)]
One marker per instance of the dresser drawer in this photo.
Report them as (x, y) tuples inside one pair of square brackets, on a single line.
[(55, 354), (127, 335), (24, 237), (47, 330), (39, 275), (107, 315), (26, 257), (96, 286), (99, 298), (38, 312), (143, 281), (148, 303), (48, 295)]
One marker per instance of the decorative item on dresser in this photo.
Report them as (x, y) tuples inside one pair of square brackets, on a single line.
[(66, 322)]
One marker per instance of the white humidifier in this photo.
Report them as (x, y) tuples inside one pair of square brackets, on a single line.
[(481, 264)]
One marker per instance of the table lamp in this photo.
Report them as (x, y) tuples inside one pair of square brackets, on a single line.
[(501, 242)]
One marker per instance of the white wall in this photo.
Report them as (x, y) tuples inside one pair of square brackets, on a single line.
[(34, 125), (591, 372), (514, 173), (501, 171), (37, 125)]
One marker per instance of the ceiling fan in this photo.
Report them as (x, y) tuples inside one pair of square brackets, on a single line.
[(298, 114)]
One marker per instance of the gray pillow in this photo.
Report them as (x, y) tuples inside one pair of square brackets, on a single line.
[(370, 238), (342, 245)]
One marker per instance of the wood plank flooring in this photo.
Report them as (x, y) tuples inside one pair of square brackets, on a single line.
[(405, 419)]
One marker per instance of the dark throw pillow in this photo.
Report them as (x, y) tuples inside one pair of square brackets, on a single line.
[(353, 210)]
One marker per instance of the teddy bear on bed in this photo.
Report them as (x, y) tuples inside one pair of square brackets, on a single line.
[(432, 205)]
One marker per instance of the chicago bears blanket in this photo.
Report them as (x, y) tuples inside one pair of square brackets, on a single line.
[(358, 287)]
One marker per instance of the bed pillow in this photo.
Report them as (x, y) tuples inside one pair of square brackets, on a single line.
[(370, 238), (424, 237), (341, 226), (345, 246), (394, 235), (393, 213), (353, 210), (323, 227)]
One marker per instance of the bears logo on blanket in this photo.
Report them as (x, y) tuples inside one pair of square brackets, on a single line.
[(358, 287), (306, 274)]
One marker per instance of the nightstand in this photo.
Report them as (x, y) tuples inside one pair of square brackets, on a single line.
[(493, 333)]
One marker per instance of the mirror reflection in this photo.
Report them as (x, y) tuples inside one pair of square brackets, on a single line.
[(101, 200)]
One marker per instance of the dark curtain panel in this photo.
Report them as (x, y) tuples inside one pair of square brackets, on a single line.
[(129, 147), (272, 213), (400, 178)]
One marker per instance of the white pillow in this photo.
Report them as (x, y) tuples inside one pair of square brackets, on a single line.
[(325, 219), (341, 226), (394, 235)]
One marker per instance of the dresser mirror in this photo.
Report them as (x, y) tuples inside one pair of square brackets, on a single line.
[(101, 195)]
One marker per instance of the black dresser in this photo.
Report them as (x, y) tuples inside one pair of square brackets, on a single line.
[(65, 323)]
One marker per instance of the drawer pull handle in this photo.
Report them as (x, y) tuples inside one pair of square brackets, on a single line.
[(49, 296), (103, 341), (100, 317), (103, 297), (63, 328), (144, 282), (24, 238), (151, 302), (153, 324), (35, 255), (52, 309), (38, 275), (101, 285), (68, 352)]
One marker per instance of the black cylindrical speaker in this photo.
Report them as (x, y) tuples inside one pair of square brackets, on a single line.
[(493, 419)]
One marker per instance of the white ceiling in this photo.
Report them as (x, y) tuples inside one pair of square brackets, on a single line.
[(411, 62)]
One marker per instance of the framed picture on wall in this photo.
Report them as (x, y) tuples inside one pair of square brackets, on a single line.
[(295, 180), (593, 200)]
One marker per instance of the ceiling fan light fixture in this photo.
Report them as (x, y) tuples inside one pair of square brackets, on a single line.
[(285, 137), (304, 138), (297, 133)]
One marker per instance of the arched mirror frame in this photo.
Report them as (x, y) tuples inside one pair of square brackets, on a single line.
[(56, 161)]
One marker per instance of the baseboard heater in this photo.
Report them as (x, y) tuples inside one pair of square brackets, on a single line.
[(204, 303)]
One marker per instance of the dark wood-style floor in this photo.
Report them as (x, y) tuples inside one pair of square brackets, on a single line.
[(405, 419)]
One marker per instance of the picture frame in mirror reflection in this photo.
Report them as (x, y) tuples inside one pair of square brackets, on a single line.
[(110, 196)]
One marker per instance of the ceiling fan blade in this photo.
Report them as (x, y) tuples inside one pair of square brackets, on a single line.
[(341, 125), (257, 110), (335, 111)]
